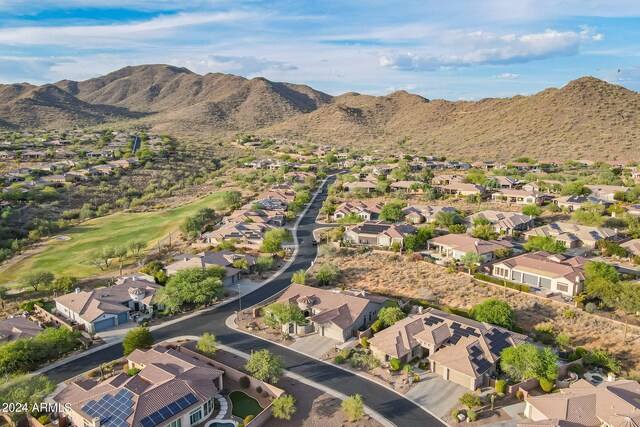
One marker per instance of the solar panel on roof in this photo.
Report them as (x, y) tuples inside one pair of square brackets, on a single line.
[(146, 422), (174, 408), (111, 410), (168, 411)]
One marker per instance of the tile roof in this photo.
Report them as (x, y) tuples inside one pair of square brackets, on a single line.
[(501, 219), (569, 231), (17, 327), (466, 243), (548, 265), (207, 259)]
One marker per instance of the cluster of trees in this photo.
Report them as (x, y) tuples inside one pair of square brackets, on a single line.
[(417, 241), (26, 354), (603, 283), (280, 313), (193, 225), (273, 240), (265, 366), (494, 311), (137, 338), (103, 257), (327, 274), (526, 361), (387, 316), (544, 243), (192, 286), (297, 205), (24, 388)]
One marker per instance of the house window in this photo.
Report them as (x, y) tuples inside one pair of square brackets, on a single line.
[(195, 416), (562, 288), (175, 423), (208, 407)]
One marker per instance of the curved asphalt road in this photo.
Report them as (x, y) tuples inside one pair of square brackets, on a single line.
[(390, 405)]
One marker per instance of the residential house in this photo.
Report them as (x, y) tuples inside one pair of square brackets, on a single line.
[(7, 155), (287, 196), (367, 185), (503, 222), (100, 309), (551, 272), (125, 163), (418, 214), (521, 197), (242, 233), (633, 247), (607, 192), (573, 203), (485, 165), (33, 155), (633, 210), (257, 216), (408, 186), (367, 211), (378, 233), (333, 313), (442, 180), (573, 235), (462, 189), (457, 245), (505, 182), (612, 403), (459, 349), (17, 327), (171, 389), (226, 259)]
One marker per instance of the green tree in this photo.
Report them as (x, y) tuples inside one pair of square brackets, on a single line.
[(273, 240), (392, 212), (390, 315), (526, 361), (231, 198), (544, 243), (25, 388), (485, 232), (327, 274), (575, 188), (445, 219), (601, 270), (102, 257), (494, 311), (120, 253), (471, 259), (353, 407), (192, 286), (299, 277), (137, 338), (280, 313), (136, 247), (532, 210), (470, 400), (64, 284), (265, 263), (284, 407), (38, 279), (265, 366), (457, 229), (207, 344)]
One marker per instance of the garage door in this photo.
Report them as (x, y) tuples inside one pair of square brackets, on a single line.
[(461, 379), (105, 324)]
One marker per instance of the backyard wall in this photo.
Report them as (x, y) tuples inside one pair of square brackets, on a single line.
[(58, 321)]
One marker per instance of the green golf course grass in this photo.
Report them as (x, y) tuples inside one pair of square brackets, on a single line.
[(70, 257)]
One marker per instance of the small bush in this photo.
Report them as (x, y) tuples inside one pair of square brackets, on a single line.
[(546, 385), (248, 419), (590, 308), (577, 369), (454, 415), (339, 359), (345, 353), (258, 389), (364, 342), (416, 378), (580, 351), (569, 314), (519, 395), (133, 372), (244, 381), (501, 386), (395, 364), (94, 374), (377, 326), (44, 419), (472, 415)]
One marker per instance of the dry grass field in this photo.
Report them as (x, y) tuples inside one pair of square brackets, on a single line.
[(394, 275)]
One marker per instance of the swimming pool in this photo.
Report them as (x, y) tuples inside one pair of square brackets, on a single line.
[(596, 379), (222, 424)]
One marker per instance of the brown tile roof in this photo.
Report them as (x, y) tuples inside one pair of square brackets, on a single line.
[(565, 230), (633, 246), (548, 265), (208, 259), (501, 219), (466, 243), (18, 327)]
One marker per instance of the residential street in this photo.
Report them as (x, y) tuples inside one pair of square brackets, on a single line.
[(390, 405)]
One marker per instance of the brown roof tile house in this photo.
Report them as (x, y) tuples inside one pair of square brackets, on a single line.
[(367, 211), (417, 214), (17, 327), (243, 233), (378, 233), (521, 197), (457, 245), (104, 308), (504, 222), (460, 349), (333, 313), (171, 389), (206, 259), (610, 403), (551, 272), (632, 246), (573, 235)]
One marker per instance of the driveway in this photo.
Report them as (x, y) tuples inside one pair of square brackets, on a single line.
[(314, 345), (436, 394)]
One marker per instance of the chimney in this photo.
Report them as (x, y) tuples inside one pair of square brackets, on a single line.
[(96, 421), (77, 290)]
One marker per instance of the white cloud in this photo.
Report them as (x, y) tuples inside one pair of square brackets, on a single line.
[(243, 65), (455, 49), (507, 76)]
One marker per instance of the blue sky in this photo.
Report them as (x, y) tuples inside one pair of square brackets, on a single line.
[(460, 49)]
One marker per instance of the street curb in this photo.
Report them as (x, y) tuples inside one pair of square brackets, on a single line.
[(230, 322)]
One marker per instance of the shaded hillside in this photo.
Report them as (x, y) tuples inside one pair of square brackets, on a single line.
[(587, 118)]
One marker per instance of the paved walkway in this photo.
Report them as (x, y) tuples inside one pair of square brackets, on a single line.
[(436, 393)]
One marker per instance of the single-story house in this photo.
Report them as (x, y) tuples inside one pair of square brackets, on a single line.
[(227, 259), (417, 214), (257, 216), (408, 186), (286, 195), (506, 182), (607, 192), (459, 349), (573, 203), (573, 235), (441, 180), (457, 245), (243, 233), (378, 233), (367, 211), (367, 185), (632, 246), (612, 403), (100, 309), (462, 189), (551, 272), (521, 197), (17, 327), (333, 313), (633, 210), (504, 222)]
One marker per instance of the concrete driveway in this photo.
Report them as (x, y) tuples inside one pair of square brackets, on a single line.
[(436, 394), (314, 345)]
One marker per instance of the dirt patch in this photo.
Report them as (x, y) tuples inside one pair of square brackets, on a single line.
[(396, 275)]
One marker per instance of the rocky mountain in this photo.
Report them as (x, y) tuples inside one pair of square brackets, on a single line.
[(587, 118)]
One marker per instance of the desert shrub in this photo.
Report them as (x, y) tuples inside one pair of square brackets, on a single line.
[(364, 342), (346, 353), (244, 381), (395, 364), (472, 415), (258, 389), (569, 314), (248, 419), (590, 308), (470, 400), (133, 372), (454, 415), (580, 351), (546, 385), (93, 374), (416, 378), (44, 419), (339, 359), (501, 386), (362, 360), (577, 369)]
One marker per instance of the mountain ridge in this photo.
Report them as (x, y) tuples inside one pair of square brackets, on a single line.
[(584, 118)]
